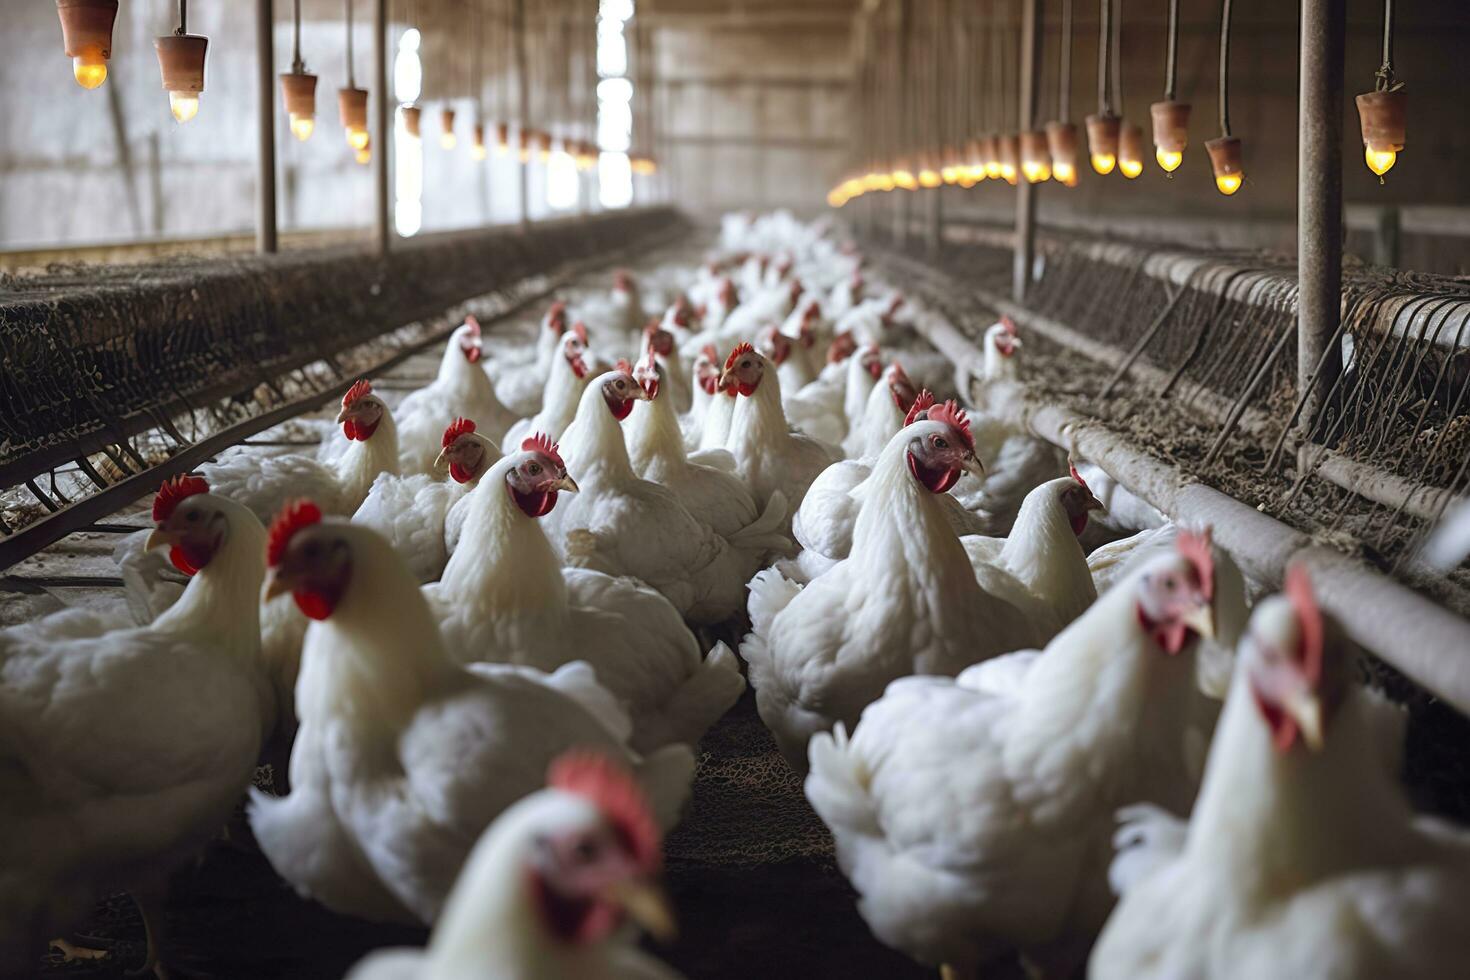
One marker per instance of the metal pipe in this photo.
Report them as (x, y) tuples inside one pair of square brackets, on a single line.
[(1026, 192), (934, 225), (380, 158), (266, 240), (1319, 204)]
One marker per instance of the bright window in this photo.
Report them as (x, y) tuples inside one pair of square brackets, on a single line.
[(408, 189), (614, 105)]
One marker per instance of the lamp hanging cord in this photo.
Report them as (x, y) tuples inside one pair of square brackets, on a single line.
[(183, 18), (1385, 71), (1225, 68), (1064, 74), (351, 82), (1171, 59), (297, 65), (1104, 57), (1115, 51)]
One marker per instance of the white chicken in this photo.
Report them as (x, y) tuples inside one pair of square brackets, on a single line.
[(677, 384), (769, 457), (403, 757), (827, 408), (623, 525), (706, 382), (616, 317), (904, 601), (706, 485), (564, 385), (421, 515), (520, 373), (505, 598), (461, 389), (883, 415), (125, 748), (545, 892), (973, 815), (1302, 859), (265, 483)]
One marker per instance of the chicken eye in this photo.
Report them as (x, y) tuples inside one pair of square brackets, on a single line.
[(192, 516), (312, 549), (534, 468), (584, 851), (939, 443), (621, 385), (1170, 584)]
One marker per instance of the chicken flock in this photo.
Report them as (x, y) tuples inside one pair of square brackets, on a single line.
[(486, 620)]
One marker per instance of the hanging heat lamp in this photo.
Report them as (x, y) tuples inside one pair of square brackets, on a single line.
[(502, 139), (1010, 157), (413, 120), (447, 139), (86, 37), (352, 104), (1104, 128), (543, 146), (1035, 157), (478, 150), (1382, 112), (298, 87), (1225, 150), (1131, 150), (1170, 117), (364, 154), (972, 167), (1061, 135), (523, 145), (929, 176), (181, 63)]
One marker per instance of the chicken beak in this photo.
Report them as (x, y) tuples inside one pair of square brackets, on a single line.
[(646, 904), (1306, 711), (566, 483), (441, 461), (724, 376), (1094, 504), (973, 465), (158, 538), (640, 393), (344, 415), (1201, 619), (276, 584)]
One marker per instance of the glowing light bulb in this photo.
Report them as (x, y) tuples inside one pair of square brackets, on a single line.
[(363, 156), (1380, 161), (302, 126), (1168, 159), (90, 70), (447, 141), (1131, 168), (1008, 173), (929, 178), (357, 138), (992, 169), (184, 105), (1104, 163), (1065, 174), (886, 182), (1035, 171), (478, 152), (1229, 183)]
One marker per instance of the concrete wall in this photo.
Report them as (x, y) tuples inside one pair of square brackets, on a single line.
[(751, 116)]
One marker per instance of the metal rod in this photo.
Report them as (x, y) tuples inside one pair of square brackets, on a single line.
[(265, 175), (1385, 70), (903, 199), (1319, 203), (1064, 69), (183, 17), (1171, 59), (297, 65), (1031, 14), (351, 79), (934, 231), (1105, 55), (1225, 64), (380, 159)]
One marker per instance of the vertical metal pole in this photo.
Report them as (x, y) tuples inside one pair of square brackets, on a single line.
[(1319, 203), (902, 144), (523, 100), (265, 175), (1031, 14), (934, 219), (382, 151)]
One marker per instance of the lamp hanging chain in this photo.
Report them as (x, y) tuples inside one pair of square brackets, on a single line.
[(1171, 58), (1115, 55), (1064, 70), (351, 80), (297, 65), (1225, 68), (1384, 75), (1104, 56), (183, 18)]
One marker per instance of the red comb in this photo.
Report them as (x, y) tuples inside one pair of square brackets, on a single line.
[(473, 324), (899, 375), (710, 352), (457, 428), (953, 416), (360, 389), (1196, 547), (296, 515), (173, 491), (624, 365), (1309, 619), (921, 404), (740, 349), (1072, 468), (541, 443), (580, 329), (652, 326), (1009, 324), (613, 790)]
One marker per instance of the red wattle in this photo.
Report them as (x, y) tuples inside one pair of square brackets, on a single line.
[(1079, 523), (358, 431), (181, 560), (935, 481), (314, 605), (460, 474), (471, 352)]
